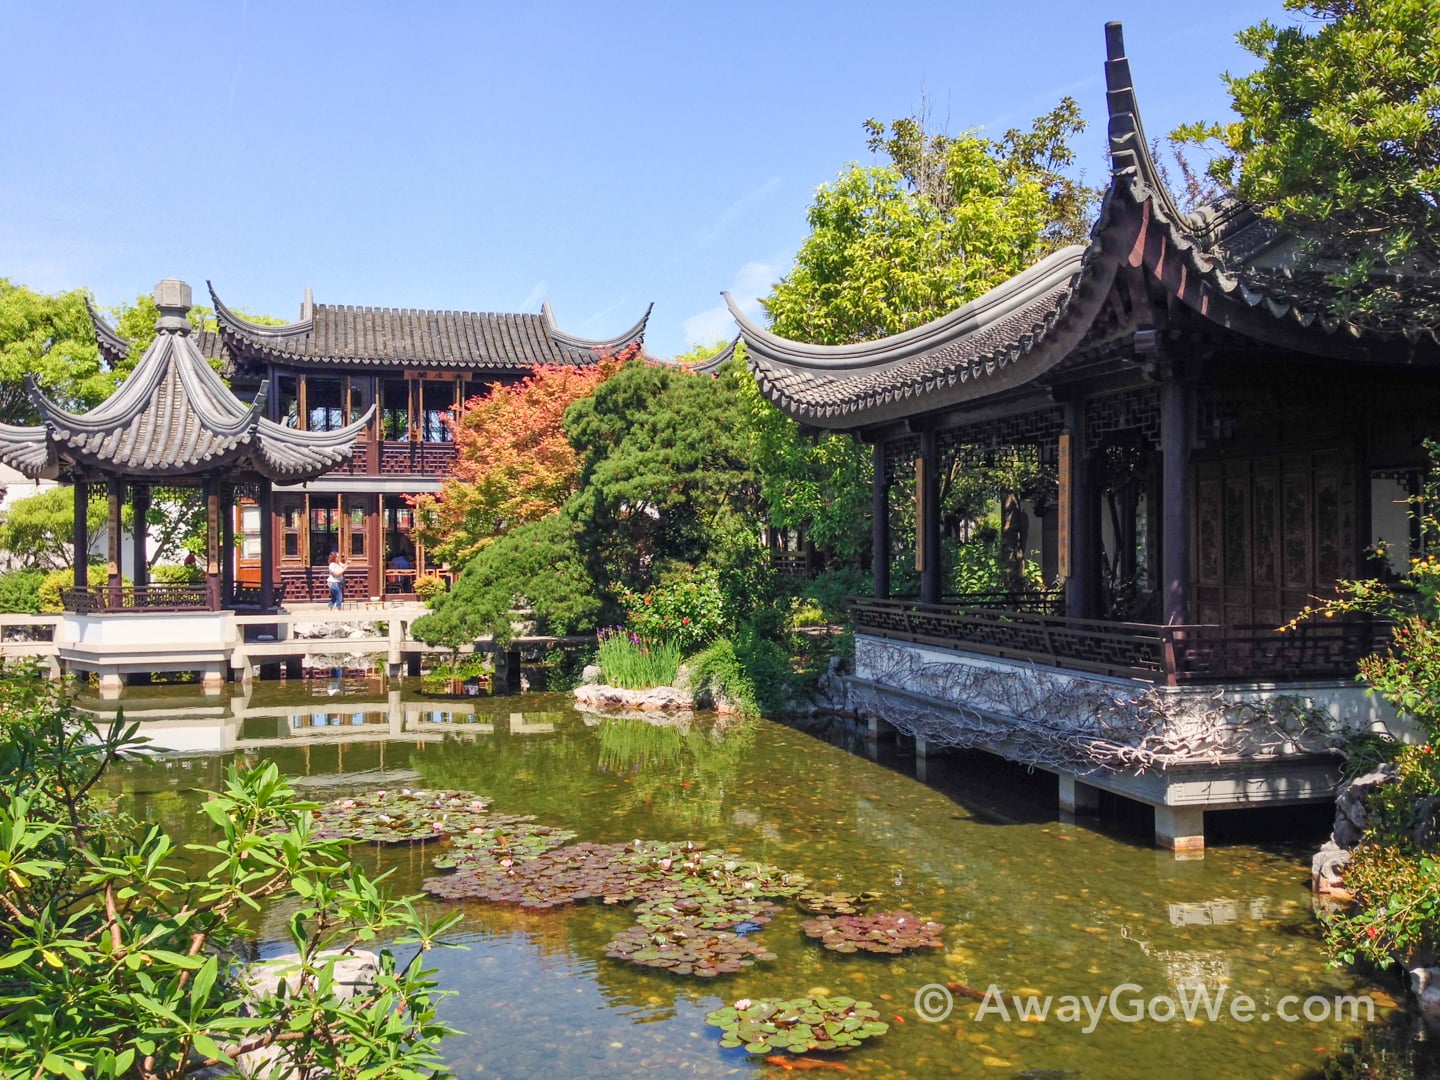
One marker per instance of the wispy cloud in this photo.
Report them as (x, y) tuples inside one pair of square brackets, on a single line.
[(534, 296), (752, 281), (734, 212), (596, 325)]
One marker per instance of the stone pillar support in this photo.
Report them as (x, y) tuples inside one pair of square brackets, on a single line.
[(1076, 797), (1181, 829)]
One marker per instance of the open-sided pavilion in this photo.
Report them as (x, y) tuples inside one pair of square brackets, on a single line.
[(172, 423)]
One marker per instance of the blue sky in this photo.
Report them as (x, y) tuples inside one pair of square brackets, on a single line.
[(490, 156)]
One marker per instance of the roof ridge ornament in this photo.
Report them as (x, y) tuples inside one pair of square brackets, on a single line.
[(1129, 149), (172, 298)]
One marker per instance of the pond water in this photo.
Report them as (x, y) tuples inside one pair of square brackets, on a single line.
[(1030, 905)]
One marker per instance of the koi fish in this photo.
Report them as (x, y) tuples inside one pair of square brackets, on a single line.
[(804, 1064), (965, 991)]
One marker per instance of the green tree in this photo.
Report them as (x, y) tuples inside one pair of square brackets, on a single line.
[(664, 471), (52, 339), (1339, 140), (38, 531), (894, 246)]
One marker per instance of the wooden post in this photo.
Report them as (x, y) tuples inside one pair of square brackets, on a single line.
[(79, 535), (1077, 518), (212, 542), (227, 545), (266, 502), (1175, 497), (880, 526), (140, 503), (116, 492), (375, 544), (927, 525)]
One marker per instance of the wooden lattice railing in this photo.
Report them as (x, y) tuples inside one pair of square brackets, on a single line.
[(93, 598), (1166, 654)]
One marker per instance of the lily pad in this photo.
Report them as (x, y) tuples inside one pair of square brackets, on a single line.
[(685, 947), (890, 932), (498, 838), (706, 907), (564, 875), (800, 1026), (835, 903), (400, 817)]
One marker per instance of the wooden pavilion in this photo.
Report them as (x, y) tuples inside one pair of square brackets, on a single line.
[(1223, 449), (173, 423)]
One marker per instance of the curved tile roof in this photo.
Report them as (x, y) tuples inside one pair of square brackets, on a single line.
[(173, 416), (998, 341), (115, 349), (458, 340)]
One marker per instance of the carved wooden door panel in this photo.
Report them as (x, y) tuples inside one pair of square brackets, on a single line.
[(1271, 532)]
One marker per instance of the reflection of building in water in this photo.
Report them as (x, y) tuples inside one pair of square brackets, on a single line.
[(346, 713), (1215, 912)]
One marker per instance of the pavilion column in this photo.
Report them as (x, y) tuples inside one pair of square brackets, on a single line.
[(212, 543), (880, 525), (927, 525), (1077, 520), (1175, 441), (81, 536), (266, 503), (115, 489), (227, 545), (140, 503)]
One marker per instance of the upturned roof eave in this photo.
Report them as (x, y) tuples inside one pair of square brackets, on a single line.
[(868, 357)]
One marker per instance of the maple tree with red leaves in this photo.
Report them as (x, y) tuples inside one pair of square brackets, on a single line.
[(513, 464)]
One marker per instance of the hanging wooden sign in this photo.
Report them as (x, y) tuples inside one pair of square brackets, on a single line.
[(1062, 509)]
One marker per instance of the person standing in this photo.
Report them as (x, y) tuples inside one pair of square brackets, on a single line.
[(336, 581)]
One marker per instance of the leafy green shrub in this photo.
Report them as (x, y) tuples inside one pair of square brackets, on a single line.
[(429, 586), (807, 614), (632, 663), (719, 671), (49, 592), (750, 670), (20, 591), (688, 610), (143, 934), (176, 574), (1394, 872)]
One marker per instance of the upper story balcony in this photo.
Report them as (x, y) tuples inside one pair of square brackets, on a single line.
[(393, 457)]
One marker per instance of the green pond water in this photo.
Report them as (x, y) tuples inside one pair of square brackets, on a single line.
[(1030, 905)]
